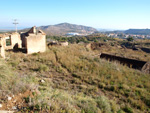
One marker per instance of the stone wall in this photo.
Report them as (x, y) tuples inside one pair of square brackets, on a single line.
[(2, 52), (136, 64), (63, 43), (35, 43), (30, 42), (23, 39), (15, 40), (132, 63), (2, 49)]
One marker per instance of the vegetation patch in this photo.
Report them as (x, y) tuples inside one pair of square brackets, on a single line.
[(73, 79)]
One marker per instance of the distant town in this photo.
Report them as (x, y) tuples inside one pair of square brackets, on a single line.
[(124, 36), (113, 35)]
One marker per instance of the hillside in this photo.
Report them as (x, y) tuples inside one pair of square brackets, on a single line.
[(72, 79), (138, 31), (63, 28)]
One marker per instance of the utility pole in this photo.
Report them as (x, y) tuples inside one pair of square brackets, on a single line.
[(15, 23)]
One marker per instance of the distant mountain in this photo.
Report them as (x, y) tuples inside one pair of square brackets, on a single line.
[(4, 30), (116, 31), (138, 31), (104, 30), (64, 28)]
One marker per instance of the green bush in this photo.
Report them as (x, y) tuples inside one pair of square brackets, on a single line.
[(103, 104), (128, 109), (43, 68)]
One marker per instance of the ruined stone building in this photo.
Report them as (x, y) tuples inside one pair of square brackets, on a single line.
[(9, 42), (2, 50), (32, 41)]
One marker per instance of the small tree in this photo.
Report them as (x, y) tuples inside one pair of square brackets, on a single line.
[(130, 38)]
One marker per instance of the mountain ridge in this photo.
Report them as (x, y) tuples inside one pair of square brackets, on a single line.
[(131, 31), (64, 28), (138, 31)]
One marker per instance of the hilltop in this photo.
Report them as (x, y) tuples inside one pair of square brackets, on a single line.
[(138, 31), (133, 31), (63, 28), (129, 31)]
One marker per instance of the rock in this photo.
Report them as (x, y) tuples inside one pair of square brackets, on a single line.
[(14, 107), (9, 98), (14, 101), (1, 105), (37, 91), (117, 69), (146, 68), (42, 81), (3, 111)]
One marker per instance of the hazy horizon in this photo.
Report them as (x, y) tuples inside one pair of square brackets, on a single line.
[(20, 28), (108, 14)]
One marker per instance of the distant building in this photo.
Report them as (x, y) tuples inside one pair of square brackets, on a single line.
[(72, 34)]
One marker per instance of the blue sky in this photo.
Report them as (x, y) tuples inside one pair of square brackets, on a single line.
[(107, 14)]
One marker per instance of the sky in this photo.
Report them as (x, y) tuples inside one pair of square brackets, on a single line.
[(105, 14)]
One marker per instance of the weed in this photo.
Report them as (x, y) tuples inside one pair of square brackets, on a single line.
[(43, 68), (75, 80), (104, 104), (128, 109)]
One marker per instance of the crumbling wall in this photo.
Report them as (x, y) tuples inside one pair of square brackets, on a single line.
[(2, 49), (32, 40), (32, 30), (136, 64), (2, 52), (15, 41), (35, 43), (63, 43), (23, 38), (53, 43)]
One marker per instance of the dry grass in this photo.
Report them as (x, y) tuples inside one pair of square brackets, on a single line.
[(75, 77)]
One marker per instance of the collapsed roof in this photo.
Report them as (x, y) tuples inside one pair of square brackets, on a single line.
[(33, 30)]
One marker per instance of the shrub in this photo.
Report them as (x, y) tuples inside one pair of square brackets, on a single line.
[(43, 68), (128, 109), (130, 38), (103, 104)]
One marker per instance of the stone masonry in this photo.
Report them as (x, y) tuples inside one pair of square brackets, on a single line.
[(32, 41)]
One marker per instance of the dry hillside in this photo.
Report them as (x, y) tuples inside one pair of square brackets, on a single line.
[(71, 79)]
